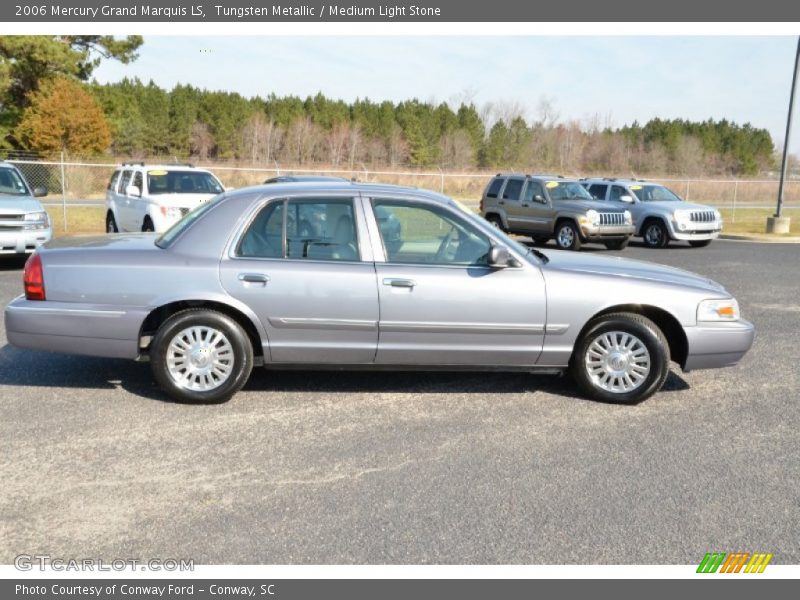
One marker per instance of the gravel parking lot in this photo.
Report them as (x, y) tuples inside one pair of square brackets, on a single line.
[(409, 468)]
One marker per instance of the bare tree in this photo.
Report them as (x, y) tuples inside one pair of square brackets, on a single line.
[(201, 140)]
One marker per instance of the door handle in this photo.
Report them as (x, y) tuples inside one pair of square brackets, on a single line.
[(401, 283), (501, 201), (253, 278), (526, 205)]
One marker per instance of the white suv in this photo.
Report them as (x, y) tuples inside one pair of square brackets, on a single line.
[(144, 197)]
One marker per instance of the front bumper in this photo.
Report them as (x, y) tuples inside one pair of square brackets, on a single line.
[(23, 241), (714, 345), (72, 328), (606, 232), (695, 231)]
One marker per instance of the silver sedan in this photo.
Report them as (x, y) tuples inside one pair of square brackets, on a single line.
[(357, 276)]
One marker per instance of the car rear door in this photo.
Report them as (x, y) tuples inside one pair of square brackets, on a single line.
[(440, 302), (509, 199), (304, 266)]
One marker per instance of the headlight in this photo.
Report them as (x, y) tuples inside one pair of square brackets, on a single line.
[(718, 215), (628, 217), (171, 212), (718, 310), (37, 220), (593, 217), (682, 218)]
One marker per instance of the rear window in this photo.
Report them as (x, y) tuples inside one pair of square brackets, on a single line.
[(494, 187), (170, 235), (112, 183), (182, 182)]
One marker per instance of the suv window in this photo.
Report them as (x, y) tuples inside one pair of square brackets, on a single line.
[(182, 182), (112, 183), (513, 189), (431, 235), (137, 181), (315, 229), (124, 181), (494, 187), (598, 191), (534, 189), (617, 191), (11, 183), (567, 190)]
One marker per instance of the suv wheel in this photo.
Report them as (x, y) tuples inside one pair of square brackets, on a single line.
[(567, 236), (111, 223), (201, 356), (655, 234), (147, 225), (622, 358), (699, 243), (496, 221), (617, 244)]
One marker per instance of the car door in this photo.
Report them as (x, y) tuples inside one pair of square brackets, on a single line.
[(536, 207), (303, 266), (509, 199), (123, 202), (137, 205), (440, 302)]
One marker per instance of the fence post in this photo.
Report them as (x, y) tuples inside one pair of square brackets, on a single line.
[(63, 191), (735, 190), (441, 174), (277, 168), (686, 195)]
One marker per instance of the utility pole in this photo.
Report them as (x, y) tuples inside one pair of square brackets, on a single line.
[(777, 223)]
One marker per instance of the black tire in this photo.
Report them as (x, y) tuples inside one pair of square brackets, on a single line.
[(567, 236), (496, 221), (617, 244), (655, 234), (111, 223), (540, 240), (647, 333), (147, 225), (699, 243), (241, 363)]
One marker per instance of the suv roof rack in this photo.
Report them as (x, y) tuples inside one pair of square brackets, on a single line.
[(133, 164)]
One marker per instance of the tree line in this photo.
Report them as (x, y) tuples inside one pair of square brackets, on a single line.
[(51, 104)]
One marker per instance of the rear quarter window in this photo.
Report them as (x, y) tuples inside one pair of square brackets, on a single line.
[(494, 187)]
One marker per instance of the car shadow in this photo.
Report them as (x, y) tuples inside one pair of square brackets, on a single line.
[(23, 368), (12, 262)]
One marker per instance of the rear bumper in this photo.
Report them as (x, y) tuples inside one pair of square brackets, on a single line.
[(23, 241), (72, 328), (714, 345)]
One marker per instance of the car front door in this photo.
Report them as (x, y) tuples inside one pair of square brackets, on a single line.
[(440, 301), (536, 208), (304, 268), (123, 202)]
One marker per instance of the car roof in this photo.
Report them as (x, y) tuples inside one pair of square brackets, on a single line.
[(162, 167), (300, 187), (537, 176), (616, 180), (303, 178)]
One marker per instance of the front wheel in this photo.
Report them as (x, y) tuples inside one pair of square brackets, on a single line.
[(147, 225), (622, 358), (617, 244), (699, 243), (655, 234), (567, 236), (201, 356)]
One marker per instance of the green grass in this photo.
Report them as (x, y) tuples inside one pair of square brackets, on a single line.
[(754, 220), (80, 220)]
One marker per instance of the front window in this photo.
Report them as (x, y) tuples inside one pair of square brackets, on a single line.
[(429, 235), (567, 190), (182, 182), (654, 193), (12, 184), (533, 191), (598, 191)]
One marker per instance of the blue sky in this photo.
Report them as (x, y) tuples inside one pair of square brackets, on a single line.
[(627, 78)]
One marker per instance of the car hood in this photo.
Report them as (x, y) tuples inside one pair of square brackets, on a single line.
[(584, 205), (628, 268), (669, 206), (189, 201), (106, 243), (15, 205)]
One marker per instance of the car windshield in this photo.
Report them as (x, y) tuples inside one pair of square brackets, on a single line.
[(182, 182), (654, 193), (567, 190), (170, 235), (11, 184)]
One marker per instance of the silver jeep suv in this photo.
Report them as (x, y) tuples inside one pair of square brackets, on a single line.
[(544, 207), (660, 214)]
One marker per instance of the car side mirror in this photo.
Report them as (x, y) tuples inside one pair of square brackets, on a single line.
[(133, 190), (39, 192), (626, 198), (498, 257), (540, 198)]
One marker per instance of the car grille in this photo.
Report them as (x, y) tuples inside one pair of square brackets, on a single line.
[(17, 217), (703, 216), (607, 218)]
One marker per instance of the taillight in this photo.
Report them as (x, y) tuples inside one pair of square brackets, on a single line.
[(34, 278), (481, 206)]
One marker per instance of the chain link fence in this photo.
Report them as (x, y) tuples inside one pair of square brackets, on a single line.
[(75, 184)]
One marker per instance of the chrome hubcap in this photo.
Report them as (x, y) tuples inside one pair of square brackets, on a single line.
[(653, 234), (565, 237), (200, 358), (617, 362)]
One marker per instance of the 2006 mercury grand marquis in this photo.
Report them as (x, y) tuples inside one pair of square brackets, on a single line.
[(349, 275)]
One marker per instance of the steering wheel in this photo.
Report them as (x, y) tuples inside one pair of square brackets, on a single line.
[(446, 240)]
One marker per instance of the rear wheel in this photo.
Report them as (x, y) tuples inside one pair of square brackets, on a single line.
[(111, 223), (147, 225), (496, 221), (655, 234), (201, 356), (699, 243), (617, 244), (567, 236), (621, 358)]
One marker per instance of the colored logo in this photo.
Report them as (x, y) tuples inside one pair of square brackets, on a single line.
[(736, 562)]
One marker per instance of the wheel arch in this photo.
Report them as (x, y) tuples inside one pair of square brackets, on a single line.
[(159, 315), (499, 215), (652, 217), (666, 322)]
